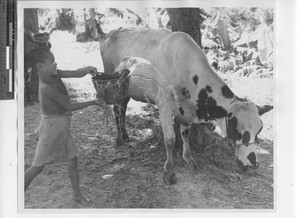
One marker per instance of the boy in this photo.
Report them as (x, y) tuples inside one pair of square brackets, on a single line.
[(55, 142)]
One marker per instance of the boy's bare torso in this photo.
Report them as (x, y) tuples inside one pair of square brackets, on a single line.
[(48, 105)]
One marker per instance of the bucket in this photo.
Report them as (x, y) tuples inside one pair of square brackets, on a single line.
[(112, 88)]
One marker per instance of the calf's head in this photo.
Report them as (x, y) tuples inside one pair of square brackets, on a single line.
[(242, 127)]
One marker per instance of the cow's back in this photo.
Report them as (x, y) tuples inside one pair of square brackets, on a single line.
[(176, 54), (124, 43)]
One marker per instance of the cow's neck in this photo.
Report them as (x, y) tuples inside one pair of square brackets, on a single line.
[(213, 101)]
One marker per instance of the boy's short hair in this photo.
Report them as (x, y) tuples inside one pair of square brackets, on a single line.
[(37, 55)]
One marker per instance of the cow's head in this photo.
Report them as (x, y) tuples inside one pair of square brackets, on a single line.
[(242, 126)]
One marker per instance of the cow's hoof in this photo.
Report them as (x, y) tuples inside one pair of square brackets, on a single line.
[(118, 142), (125, 137), (194, 166), (169, 180), (191, 161)]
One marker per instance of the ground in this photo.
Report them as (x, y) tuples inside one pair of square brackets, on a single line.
[(130, 176)]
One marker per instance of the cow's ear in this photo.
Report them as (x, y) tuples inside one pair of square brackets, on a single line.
[(264, 109)]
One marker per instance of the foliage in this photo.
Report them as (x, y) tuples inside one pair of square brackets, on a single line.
[(56, 19), (236, 40), (240, 40)]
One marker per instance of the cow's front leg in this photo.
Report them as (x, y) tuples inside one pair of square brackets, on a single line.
[(186, 154), (169, 140)]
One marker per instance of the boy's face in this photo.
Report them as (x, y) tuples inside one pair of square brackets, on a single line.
[(48, 68)]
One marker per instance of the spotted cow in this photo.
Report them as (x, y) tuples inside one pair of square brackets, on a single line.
[(199, 94)]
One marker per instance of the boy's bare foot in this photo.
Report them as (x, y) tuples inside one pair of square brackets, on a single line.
[(81, 199)]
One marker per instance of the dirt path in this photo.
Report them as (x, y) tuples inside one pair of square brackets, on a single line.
[(131, 176)]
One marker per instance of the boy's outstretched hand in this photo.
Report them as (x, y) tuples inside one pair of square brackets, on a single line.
[(98, 102), (91, 70)]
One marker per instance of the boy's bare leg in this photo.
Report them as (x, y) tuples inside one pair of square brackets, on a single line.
[(74, 177), (30, 174)]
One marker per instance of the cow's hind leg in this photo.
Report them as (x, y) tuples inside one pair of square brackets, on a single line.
[(186, 154), (169, 140)]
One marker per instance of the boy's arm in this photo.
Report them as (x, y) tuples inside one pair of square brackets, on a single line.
[(63, 101), (81, 72)]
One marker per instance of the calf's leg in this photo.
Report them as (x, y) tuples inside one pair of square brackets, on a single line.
[(123, 116), (186, 154), (120, 113), (117, 110)]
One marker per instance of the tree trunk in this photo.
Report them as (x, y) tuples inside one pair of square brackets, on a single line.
[(31, 78), (188, 20), (65, 20), (91, 25), (31, 22)]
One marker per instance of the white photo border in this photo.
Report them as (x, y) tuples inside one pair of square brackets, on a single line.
[(12, 159)]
